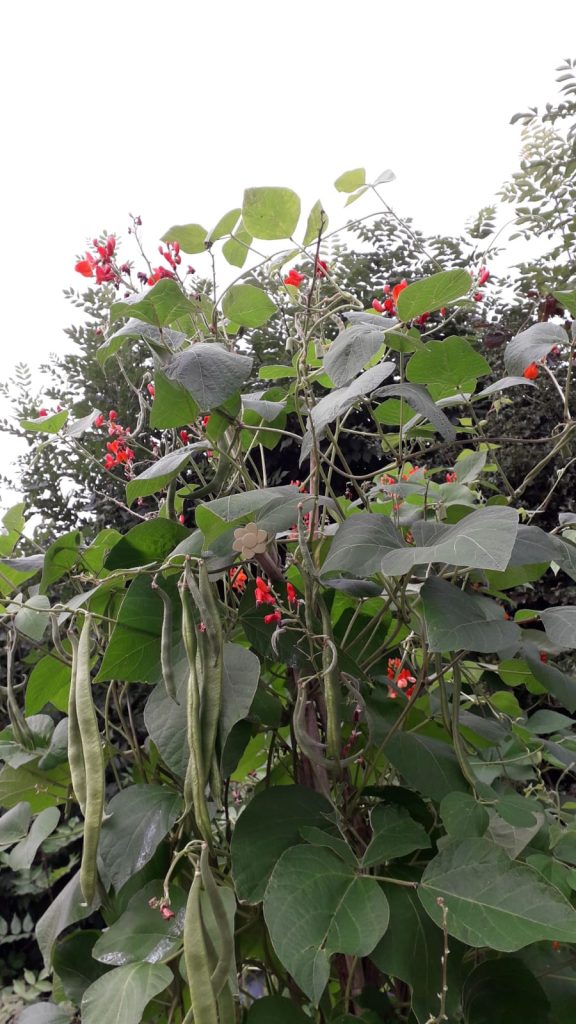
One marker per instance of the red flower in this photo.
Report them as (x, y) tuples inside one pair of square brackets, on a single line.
[(238, 579), (543, 657), (158, 274), (421, 320), (321, 268), (295, 278), (451, 478), (478, 296), (43, 412), (389, 306), (151, 390), (182, 519), (443, 311), (399, 288), (105, 273), (377, 306), (483, 276), (99, 421), (292, 595), (273, 617), (167, 913), (86, 267), (531, 372), (184, 436), (112, 415), (263, 594), (205, 421)]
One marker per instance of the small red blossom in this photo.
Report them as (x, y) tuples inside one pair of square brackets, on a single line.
[(421, 320), (263, 594), (531, 372), (295, 278), (377, 306), (205, 421), (99, 421), (167, 913), (450, 478), (292, 595), (483, 276), (112, 415), (397, 289), (182, 519), (443, 311), (478, 296), (184, 436), (273, 617), (86, 267), (543, 657), (43, 412), (238, 579), (321, 268), (158, 274), (389, 306), (151, 390)]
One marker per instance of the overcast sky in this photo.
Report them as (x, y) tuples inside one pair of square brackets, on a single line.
[(170, 110)]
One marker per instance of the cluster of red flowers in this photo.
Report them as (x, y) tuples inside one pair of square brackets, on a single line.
[(264, 595), (400, 677), (295, 278), (238, 579), (101, 265), (119, 452), (388, 305), (451, 478)]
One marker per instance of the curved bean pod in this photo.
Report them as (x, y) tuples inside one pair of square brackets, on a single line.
[(94, 765), (204, 1008), (75, 752)]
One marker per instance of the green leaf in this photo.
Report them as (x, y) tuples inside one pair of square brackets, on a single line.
[(270, 213), (482, 540), (235, 250), (141, 932), (248, 306), (209, 372), (531, 345), (463, 816), (121, 996), (560, 685), (433, 293), (138, 818), (411, 950), (428, 765), (161, 306), (316, 905), (60, 557), (419, 399), (160, 339), (165, 720), (352, 349), (560, 625), (46, 424), (39, 788), (359, 544), (503, 385), (191, 237), (239, 683), (270, 507), (456, 620), (146, 543), (337, 402), (316, 224), (275, 1010), (48, 683), (225, 225), (74, 965), (21, 856), (14, 824), (567, 299), (556, 972), (534, 546), (503, 992), (45, 1013), (351, 180), (394, 834), (452, 362), (276, 372), (173, 406), (493, 901), (160, 473), (66, 908), (268, 827)]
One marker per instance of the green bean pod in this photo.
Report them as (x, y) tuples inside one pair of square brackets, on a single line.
[(166, 644), (221, 971), (94, 764), (196, 957), (75, 752), (196, 772), (331, 684)]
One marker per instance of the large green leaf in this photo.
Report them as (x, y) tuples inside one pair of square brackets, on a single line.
[(275, 1010), (60, 557), (428, 765), (141, 932), (21, 856), (45, 1013), (349, 181), (270, 213), (394, 834), (556, 682), (39, 788), (173, 406), (133, 653), (411, 950), (493, 901), (161, 339), (46, 424), (209, 373), (560, 625), (452, 362), (534, 546), (456, 620), (337, 402), (432, 293), (352, 350), (531, 345), (317, 222), (418, 398), (74, 965), (503, 991), (138, 818), (273, 508), (160, 473), (248, 306), (316, 905), (146, 543), (482, 540), (48, 683), (462, 816), (225, 225), (190, 237), (270, 825), (14, 824), (556, 972), (66, 908), (235, 250), (163, 305), (359, 544), (33, 617), (239, 683), (121, 996)]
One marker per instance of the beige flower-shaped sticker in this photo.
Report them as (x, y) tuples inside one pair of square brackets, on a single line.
[(249, 540)]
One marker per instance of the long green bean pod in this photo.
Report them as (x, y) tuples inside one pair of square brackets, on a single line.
[(196, 772), (210, 668), (166, 643), (75, 752), (331, 685), (226, 952), (94, 764), (204, 1008)]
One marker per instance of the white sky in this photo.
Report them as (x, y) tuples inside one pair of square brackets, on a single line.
[(170, 110)]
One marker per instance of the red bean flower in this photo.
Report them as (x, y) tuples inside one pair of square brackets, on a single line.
[(294, 278), (531, 372), (263, 594)]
